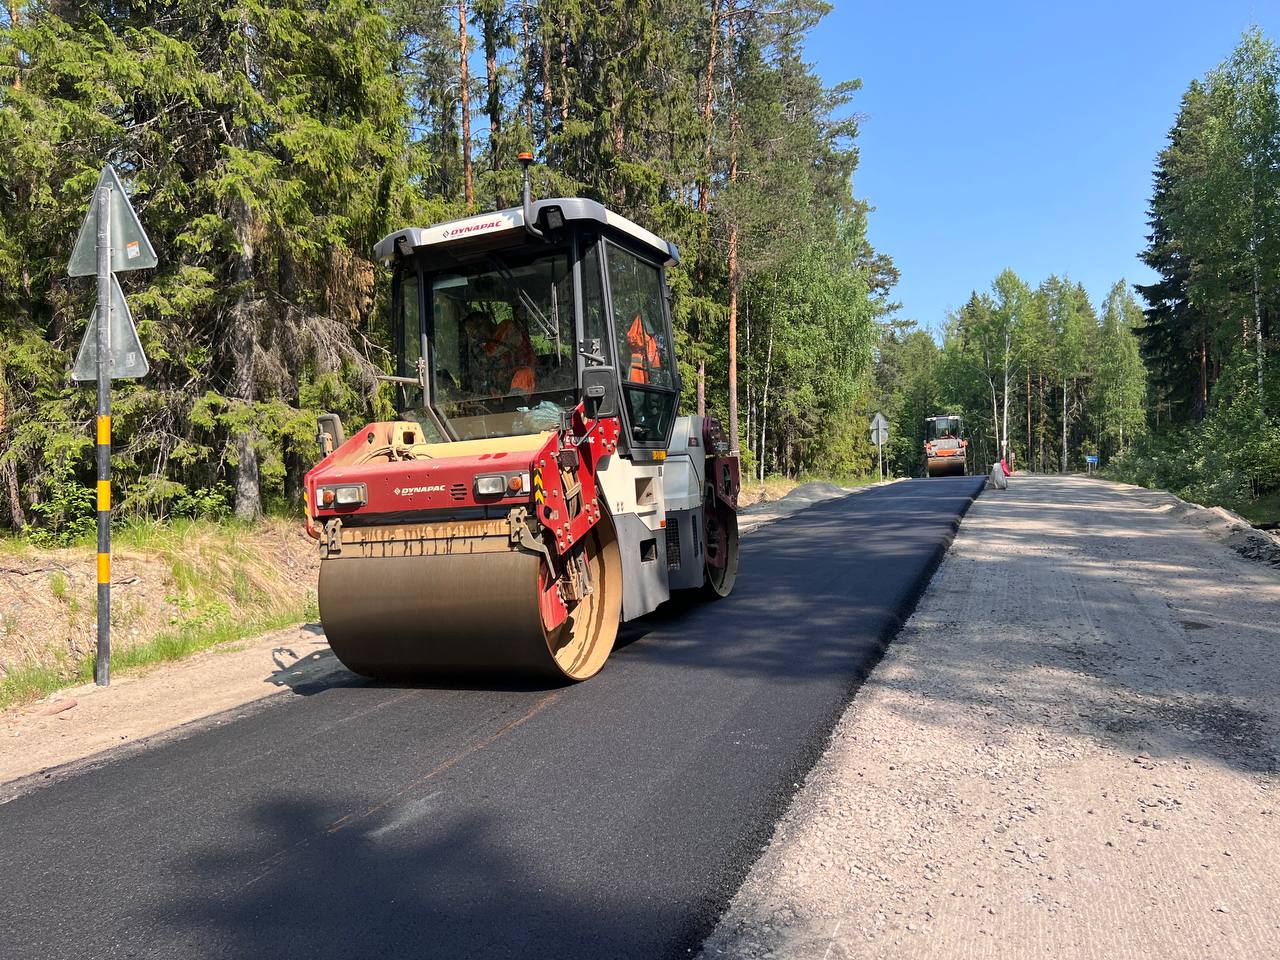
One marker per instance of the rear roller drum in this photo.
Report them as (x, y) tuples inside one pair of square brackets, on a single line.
[(721, 553)]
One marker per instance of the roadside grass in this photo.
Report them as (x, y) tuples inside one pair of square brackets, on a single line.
[(1263, 510), (31, 682), (203, 583), (34, 681)]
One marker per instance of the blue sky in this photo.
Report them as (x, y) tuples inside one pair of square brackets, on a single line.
[(1018, 134)]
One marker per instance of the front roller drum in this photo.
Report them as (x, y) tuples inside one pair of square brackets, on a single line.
[(467, 612), (946, 467)]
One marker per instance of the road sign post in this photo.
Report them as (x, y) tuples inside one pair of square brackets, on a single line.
[(880, 436), (111, 239), (102, 666)]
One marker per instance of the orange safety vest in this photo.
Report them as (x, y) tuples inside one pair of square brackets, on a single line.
[(644, 352), (517, 355)]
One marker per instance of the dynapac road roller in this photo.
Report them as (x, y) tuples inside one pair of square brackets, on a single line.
[(538, 486), (945, 450)]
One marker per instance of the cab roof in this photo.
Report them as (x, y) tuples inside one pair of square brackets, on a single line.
[(490, 225)]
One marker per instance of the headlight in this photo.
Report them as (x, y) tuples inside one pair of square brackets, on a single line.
[(347, 495), (502, 484)]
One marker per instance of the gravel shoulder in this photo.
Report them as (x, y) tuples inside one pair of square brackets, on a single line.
[(51, 739), (1070, 751)]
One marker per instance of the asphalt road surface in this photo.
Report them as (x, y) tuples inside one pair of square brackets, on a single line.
[(614, 818)]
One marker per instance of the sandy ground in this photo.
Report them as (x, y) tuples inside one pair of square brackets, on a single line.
[(55, 737), (1069, 752)]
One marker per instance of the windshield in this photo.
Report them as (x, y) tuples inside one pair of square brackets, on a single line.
[(503, 353), (941, 427)]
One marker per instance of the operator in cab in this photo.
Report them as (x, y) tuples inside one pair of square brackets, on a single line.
[(644, 357), (499, 355)]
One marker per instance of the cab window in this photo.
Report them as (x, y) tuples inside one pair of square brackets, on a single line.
[(595, 329), (643, 350), (409, 323)]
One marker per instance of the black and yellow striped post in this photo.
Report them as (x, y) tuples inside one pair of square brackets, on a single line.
[(111, 240), (102, 666)]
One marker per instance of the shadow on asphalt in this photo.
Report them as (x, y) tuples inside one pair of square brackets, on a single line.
[(365, 888)]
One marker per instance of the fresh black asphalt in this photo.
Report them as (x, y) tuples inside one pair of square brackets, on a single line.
[(614, 818)]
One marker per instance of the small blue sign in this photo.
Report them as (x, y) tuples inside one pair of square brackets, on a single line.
[(1090, 458)]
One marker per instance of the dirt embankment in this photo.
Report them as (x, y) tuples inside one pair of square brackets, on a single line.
[(177, 582)]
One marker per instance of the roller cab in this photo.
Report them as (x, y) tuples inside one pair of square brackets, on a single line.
[(946, 451), (538, 485)]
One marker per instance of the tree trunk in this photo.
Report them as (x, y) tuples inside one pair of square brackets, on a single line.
[(528, 69), (464, 97), (494, 101), (708, 102), (244, 325), (1062, 467), (444, 164), (17, 519), (1257, 330), (704, 187), (9, 469), (746, 319), (764, 400), (735, 281), (243, 345), (619, 138), (1043, 460), (548, 94), (17, 54), (1029, 446), (564, 81), (1203, 395), (995, 411), (1004, 422)]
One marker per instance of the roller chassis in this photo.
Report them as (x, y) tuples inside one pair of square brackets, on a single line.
[(673, 522), (491, 547)]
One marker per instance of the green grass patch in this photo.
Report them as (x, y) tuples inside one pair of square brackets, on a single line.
[(1263, 510), (27, 683), (15, 545), (194, 638)]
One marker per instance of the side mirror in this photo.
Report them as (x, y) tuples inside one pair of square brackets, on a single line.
[(600, 392), (329, 432)]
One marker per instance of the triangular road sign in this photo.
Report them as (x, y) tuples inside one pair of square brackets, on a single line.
[(127, 358), (130, 248)]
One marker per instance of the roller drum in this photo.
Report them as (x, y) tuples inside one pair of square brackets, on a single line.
[(411, 616), (946, 467)]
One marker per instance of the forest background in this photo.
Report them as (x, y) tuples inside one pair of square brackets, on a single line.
[(1173, 384), (267, 146)]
